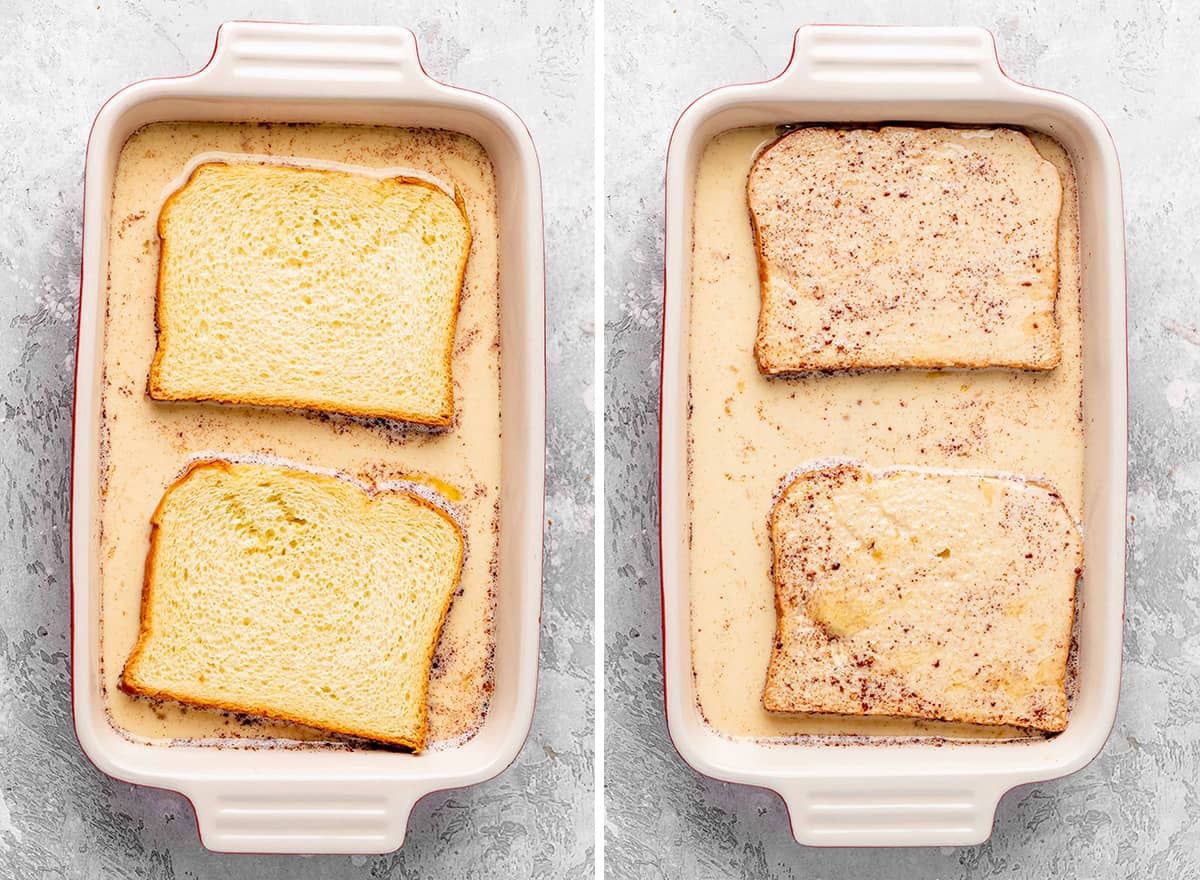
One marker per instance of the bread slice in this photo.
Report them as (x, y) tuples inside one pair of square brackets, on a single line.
[(905, 247), (293, 595), (323, 290), (926, 595)]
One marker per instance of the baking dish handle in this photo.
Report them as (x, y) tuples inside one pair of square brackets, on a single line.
[(880, 62), (257, 59), (301, 816), (891, 811)]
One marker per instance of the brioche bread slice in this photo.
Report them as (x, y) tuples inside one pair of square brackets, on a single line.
[(926, 595), (905, 247), (293, 595), (323, 290)]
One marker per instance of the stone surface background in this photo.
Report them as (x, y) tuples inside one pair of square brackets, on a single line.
[(59, 816), (1134, 811)]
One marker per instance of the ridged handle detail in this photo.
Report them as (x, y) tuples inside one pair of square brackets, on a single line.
[(297, 817), (266, 59), (890, 812), (897, 57)]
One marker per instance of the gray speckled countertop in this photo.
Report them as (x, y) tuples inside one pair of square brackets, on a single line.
[(1134, 811), (59, 816)]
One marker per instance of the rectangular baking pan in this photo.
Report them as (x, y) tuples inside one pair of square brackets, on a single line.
[(908, 793), (313, 800)]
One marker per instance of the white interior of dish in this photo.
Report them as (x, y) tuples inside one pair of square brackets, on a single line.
[(852, 793), (355, 801)]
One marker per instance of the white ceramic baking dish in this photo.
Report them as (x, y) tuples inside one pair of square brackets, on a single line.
[(909, 793), (313, 800)]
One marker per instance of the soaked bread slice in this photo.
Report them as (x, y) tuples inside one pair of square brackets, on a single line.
[(323, 290), (296, 596), (924, 595), (905, 247)]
